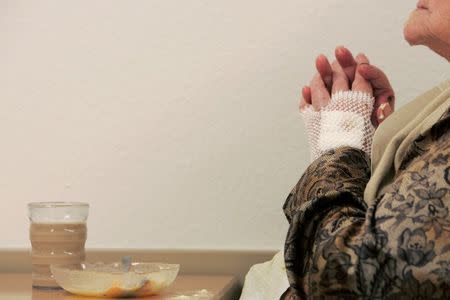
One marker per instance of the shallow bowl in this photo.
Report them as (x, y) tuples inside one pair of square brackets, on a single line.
[(110, 280)]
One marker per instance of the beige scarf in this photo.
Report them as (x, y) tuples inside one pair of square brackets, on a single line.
[(394, 136)]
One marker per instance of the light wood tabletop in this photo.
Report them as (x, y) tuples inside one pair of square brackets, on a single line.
[(18, 287)]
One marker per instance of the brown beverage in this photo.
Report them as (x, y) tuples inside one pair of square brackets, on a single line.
[(55, 243), (57, 234)]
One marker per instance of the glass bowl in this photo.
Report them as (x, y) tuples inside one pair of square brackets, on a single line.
[(113, 281)]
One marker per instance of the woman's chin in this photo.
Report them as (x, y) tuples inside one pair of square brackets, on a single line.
[(410, 36), (412, 31)]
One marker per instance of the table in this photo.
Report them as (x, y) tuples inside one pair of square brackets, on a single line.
[(18, 287)]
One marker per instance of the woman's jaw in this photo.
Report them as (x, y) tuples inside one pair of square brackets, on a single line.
[(429, 25)]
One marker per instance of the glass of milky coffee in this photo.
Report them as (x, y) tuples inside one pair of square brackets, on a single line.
[(58, 234)]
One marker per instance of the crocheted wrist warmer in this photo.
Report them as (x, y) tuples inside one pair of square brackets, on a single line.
[(344, 121)]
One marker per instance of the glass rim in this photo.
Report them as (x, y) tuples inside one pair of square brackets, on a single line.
[(57, 204)]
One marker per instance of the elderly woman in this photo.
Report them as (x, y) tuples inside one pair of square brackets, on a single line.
[(379, 228)]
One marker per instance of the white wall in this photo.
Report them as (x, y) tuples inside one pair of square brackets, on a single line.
[(176, 120)]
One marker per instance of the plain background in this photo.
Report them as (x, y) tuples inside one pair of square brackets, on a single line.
[(176, 120)]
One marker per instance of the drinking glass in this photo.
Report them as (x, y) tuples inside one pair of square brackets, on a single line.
[(58, 234)]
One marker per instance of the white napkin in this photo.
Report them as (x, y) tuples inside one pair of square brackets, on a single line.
[(267, 280)]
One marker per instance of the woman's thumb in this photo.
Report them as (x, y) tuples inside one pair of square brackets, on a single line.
[(375, 76)]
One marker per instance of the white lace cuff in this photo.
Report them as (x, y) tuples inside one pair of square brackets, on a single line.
[(345, 121)]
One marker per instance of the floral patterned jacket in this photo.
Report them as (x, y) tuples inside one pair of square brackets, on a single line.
[(398, 247)]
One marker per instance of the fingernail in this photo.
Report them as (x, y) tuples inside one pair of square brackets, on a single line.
[(383, 111), (364, 57), (387, 110)]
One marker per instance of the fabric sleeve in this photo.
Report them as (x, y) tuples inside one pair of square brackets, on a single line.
[(328, 196), (395, 247)]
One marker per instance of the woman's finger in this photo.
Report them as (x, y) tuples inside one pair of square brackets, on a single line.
[(319, 93), (305, 100), (380, 83), (360, 83), (382, 91), (340, 81), (324, 68), (347, 62), (306, 93)]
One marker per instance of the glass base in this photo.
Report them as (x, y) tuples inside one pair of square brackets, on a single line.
[(47, 288), (44, 282)]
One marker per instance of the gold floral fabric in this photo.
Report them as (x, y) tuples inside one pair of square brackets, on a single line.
[(395, 247)]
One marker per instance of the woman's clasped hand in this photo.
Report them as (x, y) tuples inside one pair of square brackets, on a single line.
[(348, 73)]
